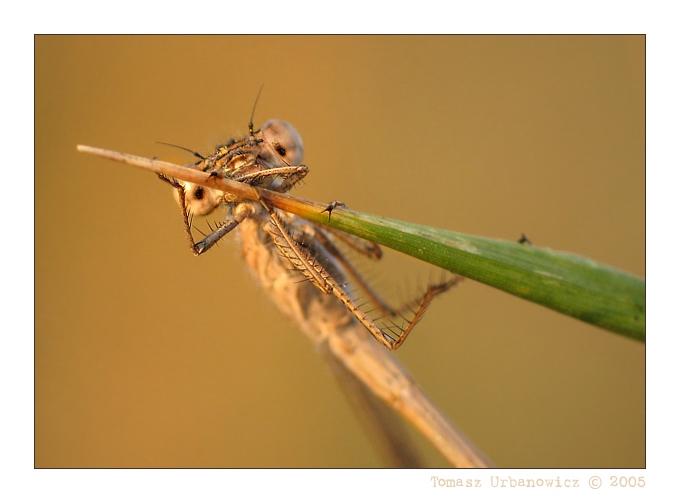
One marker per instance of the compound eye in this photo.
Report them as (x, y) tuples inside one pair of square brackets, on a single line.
[(200, 200), (284, 141)]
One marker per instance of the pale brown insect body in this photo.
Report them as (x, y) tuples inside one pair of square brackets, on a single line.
[(300, 266)]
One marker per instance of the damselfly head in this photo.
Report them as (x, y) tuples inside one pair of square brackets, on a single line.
[(283, 142), (256, 159)]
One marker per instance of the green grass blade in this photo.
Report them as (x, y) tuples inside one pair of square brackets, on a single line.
[(577, 286)]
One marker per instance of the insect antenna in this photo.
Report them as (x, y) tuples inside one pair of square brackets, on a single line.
[(183, 148), (251, 130)]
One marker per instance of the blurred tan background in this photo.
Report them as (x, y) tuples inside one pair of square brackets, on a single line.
[(149, 357)]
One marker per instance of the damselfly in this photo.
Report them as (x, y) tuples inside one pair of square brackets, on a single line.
[(301, 266)]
